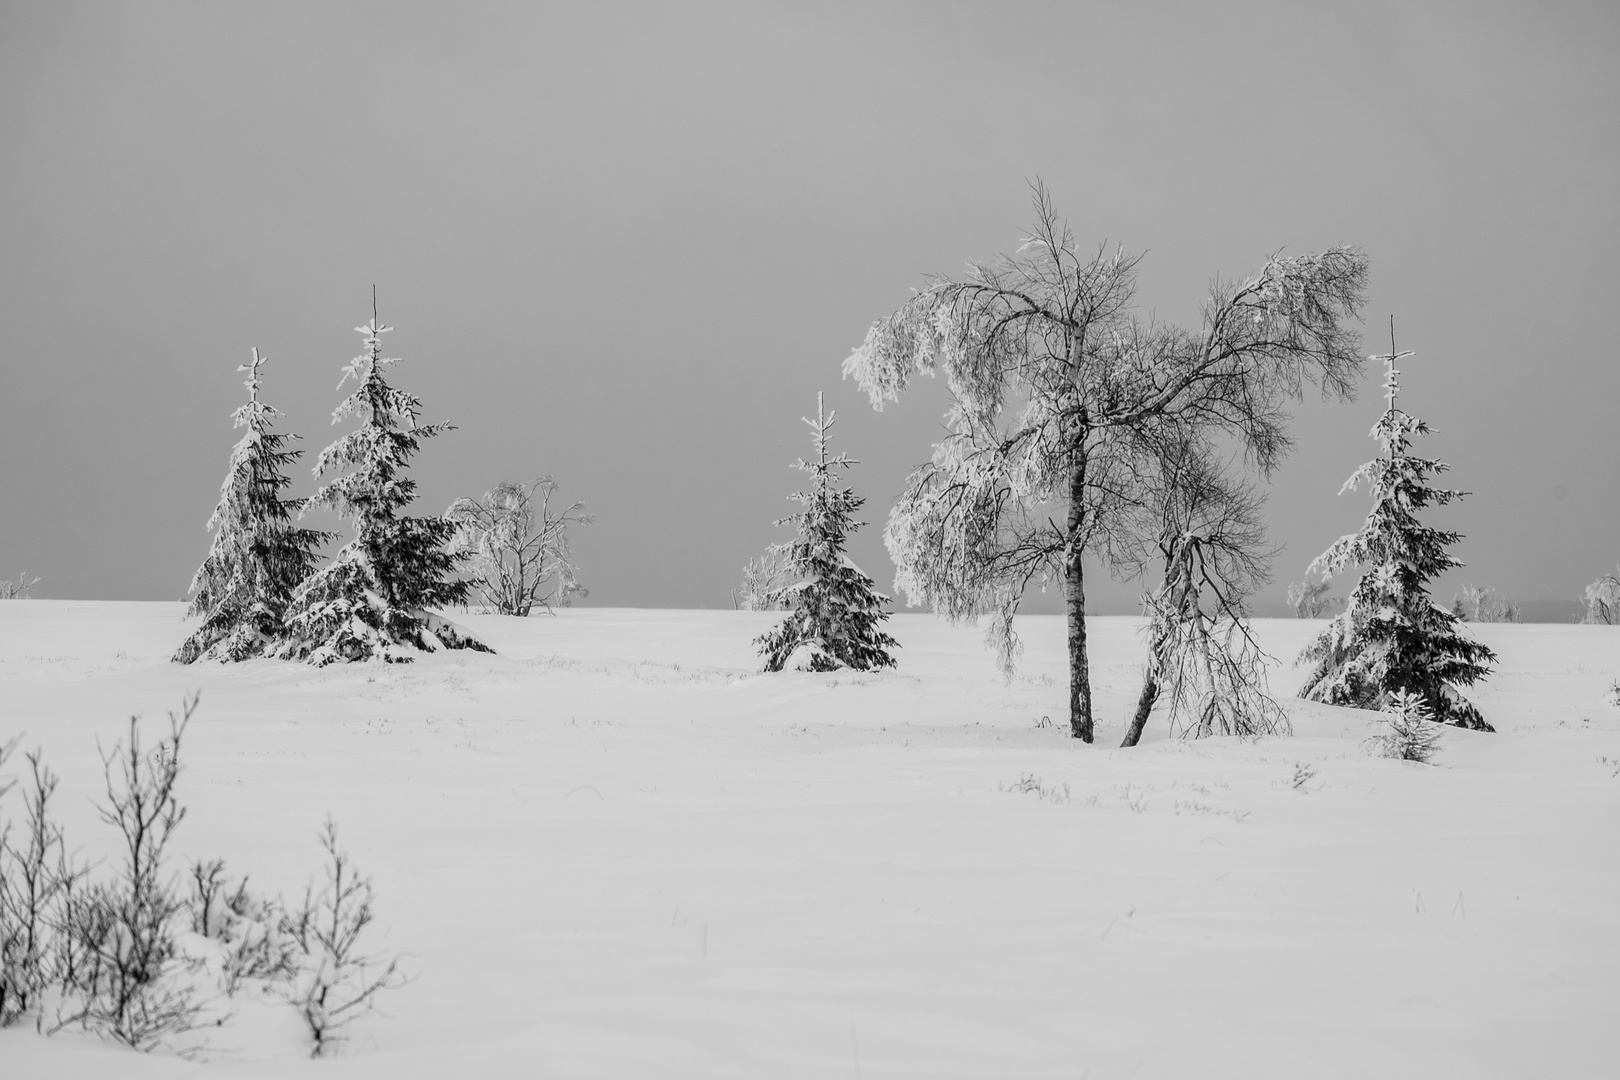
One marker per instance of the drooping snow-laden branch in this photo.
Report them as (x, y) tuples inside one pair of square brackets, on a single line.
[(1203, 665)]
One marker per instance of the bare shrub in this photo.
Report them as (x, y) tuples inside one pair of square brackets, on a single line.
[(30, 888), (17, 590), (518, 546), (1602, 600), (336, 982), (1407, 730), (1309, 600), (1475, 604), (764, 579), (111, 957), (249, 930), (121, 967), (1030, 784)]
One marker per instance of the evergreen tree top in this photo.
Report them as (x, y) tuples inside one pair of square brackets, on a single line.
[(381, 447), (373, 400), (253, 413), (827, 510), (821, 434), (1399, 482)]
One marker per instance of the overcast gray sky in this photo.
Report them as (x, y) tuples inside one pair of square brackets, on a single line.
[(627, 244)]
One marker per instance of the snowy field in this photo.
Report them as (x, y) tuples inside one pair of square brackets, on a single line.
[(614, 850)]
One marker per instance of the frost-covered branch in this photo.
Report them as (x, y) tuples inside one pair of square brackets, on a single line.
[(1058, 389), (517, 543)]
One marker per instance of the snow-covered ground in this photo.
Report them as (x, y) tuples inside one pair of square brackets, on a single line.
[(613, 850)]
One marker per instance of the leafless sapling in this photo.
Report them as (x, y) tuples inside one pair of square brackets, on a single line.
[(31, 884), (125, 980), (764, 578), (1477, 604), (1310, 600), (250, 930), (336, 982), (517, 546)]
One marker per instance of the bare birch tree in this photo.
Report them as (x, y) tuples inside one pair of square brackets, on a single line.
[(1054, 378), (516, 541)]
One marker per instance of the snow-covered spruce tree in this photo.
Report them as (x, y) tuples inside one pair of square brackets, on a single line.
[(834, 611), (373, 599), (1054, 377), (1392, 636), (1202, 525), (259, 555)]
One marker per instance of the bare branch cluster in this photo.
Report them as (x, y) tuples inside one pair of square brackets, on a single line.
[(1477, 604), (249, 930), (764, 579), (107, 957), (337, 982), (17, 590), (1203, 527), (29, 890), (516, 543), (1310, 600), (120, 971)]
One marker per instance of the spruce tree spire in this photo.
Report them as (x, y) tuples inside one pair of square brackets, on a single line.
[(373, 598), (834, 611), (258, 557), (1392, 636)]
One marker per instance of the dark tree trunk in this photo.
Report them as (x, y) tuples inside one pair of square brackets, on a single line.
[(1074, 587), (1144, 708)]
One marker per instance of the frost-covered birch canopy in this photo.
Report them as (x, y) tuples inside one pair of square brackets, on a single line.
[(1059, 387)]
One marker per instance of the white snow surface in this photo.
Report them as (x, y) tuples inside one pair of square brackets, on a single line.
[(615, 850)]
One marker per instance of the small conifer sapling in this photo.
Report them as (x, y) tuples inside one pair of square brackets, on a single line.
[(1407, 730), (374, 598), (1392, 636), (260, 555), (835, 614)]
